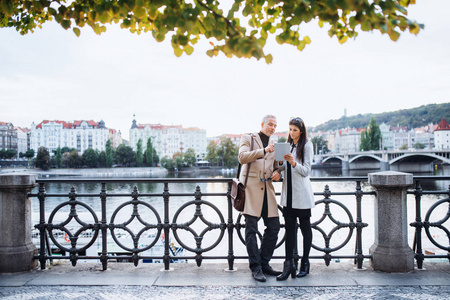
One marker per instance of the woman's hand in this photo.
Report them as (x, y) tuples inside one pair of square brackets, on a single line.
[(290, 159), (276, 176)]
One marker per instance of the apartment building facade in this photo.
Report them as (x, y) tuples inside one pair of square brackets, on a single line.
[(79, 135), (169, 139)]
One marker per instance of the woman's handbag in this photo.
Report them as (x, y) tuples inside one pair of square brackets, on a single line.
[(238, 188)]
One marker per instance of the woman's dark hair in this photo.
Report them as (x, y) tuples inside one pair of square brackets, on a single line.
[(300, 152)]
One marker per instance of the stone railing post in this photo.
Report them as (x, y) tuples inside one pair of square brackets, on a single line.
[(390, 252), (16, 247)]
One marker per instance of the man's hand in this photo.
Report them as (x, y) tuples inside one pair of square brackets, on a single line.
[(270, 148)]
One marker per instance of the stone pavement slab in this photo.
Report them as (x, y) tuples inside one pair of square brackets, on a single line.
[(213, 281), (216, 274)]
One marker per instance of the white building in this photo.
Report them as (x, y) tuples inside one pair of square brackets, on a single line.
[(169, 139), (347, 140), (387, 137), (23, 136), (424, 135), (79, 135), (195, 138), (442, 135)]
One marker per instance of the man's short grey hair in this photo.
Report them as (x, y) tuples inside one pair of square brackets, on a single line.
[(264, 120)]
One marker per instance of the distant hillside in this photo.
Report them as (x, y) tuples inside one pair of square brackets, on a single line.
[(412, 118)]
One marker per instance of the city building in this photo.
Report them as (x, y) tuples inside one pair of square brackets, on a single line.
[(235, 138), (79, 135), (387, 137), (23, 139), (169, 139), (8, 136), (348, 140), (423, 136), (442, 135)]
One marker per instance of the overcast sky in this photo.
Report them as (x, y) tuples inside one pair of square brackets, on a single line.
[(53, 75)]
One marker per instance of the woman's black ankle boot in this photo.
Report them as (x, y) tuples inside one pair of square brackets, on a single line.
[(304, 269), (288, 269)]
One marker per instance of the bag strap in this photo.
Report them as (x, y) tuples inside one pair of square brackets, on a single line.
[(248, 168)]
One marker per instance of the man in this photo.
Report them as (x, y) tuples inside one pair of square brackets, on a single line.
[(260, 199)]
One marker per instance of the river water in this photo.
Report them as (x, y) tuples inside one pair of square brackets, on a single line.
[(220, 202)]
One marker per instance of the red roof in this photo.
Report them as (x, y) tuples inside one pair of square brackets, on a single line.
[(26, 130), (443, 125), (68, 125), (64, 124), (152, 126)]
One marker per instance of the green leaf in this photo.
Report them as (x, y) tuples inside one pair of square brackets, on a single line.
[(183, 40), (7, 7), (268, 58), (76, 31), (65, 24), (365, 25), (247, 10), (139, 12), (160, 37), (104, 17)]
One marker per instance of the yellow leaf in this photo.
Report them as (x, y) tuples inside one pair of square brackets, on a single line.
[(268, 58), (189, 50), (307, 40), (394, 35), (343, 39), (178, 52)]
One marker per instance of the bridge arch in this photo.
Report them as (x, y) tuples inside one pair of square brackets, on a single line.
[(364, 156), (333, 158), (406, 155)]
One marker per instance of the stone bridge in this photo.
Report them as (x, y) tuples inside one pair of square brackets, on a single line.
[(406, 160)]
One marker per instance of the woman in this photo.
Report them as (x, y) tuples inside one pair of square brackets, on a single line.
[(297, 197)]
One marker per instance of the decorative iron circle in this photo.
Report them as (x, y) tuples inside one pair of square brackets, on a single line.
[(327, 213), (198, 214), (135, 215), (239, 225), (437, 224), (73, 238)]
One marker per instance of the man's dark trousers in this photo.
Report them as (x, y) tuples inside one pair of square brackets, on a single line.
[(258, 258)]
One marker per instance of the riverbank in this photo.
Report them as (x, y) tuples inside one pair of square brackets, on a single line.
[(98, 172)]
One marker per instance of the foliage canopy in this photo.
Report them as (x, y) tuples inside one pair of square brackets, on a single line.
[(412, 118), (236, 28), (371, 137)]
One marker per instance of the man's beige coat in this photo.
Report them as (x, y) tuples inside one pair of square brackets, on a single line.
[(262, 166)]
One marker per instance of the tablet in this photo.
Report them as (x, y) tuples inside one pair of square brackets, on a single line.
[(281, 149)]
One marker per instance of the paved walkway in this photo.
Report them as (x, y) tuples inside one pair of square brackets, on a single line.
[(212, 281)]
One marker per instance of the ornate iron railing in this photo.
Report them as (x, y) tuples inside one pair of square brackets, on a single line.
[(427, 223), (103, 227)]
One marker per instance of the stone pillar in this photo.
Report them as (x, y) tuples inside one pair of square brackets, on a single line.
[(345, 166), (384, 166), (16, 247), (390, 252)]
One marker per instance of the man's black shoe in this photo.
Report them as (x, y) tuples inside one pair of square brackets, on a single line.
[(258, 275), (269, 271)]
